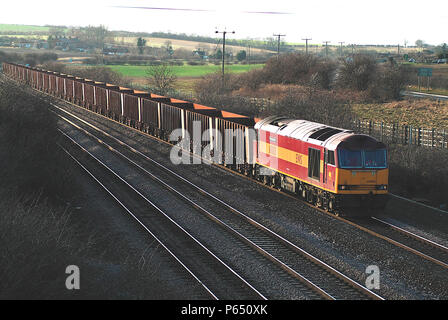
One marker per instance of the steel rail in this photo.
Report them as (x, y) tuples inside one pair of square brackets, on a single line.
[(198, 207), (218, 165), (418, 203), (166, 216), (273, 189), (278, 237), (413, 235)]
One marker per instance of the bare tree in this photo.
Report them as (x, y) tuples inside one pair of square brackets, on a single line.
[(419, 43), (161, 78), (95, 36)]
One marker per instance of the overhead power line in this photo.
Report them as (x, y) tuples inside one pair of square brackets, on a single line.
[(278, 42), (223, 49), (306, 44)]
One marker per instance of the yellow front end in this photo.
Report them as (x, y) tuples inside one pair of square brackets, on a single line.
[(362, 181)]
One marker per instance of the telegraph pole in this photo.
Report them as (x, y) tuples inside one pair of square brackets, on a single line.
[(278, 42), (341, 42), (223, 50), (326, 48), (306, 46)]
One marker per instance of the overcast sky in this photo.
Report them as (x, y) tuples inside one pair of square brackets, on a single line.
[(358, 22)]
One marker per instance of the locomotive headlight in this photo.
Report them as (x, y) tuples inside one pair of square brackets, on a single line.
[(382, 187), (343, 187)]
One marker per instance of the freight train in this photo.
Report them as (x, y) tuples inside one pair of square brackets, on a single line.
[(331, 168)]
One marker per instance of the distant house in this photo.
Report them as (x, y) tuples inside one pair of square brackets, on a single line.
[(41, 44), (23, 44), (64, 43), (115, 50)]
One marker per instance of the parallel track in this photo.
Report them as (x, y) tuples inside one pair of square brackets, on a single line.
[(376, 234), (428, 257), (426, 248), (288, 256), (195, 258)]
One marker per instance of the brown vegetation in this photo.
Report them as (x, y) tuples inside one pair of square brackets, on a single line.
[(293, 86), (32, 162), (41, 234), (97, 73), (161, 79), (31, 59), (419, 172)]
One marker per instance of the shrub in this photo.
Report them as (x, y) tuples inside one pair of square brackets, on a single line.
[(317, 106), (103, 74), (388, 84), (419, 172), (32, 161), (357, 73)]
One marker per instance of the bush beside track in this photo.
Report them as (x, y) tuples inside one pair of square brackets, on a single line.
[(42, 232)]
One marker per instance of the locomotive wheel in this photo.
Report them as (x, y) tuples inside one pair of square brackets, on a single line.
[(330, 205), (265, 179), (319, 201)]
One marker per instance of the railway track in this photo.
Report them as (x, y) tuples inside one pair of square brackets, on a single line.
[(381, 226), (216, 278), (419, 245), (299, 265), (382, 232)]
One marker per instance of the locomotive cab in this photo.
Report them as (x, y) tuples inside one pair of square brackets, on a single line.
[(362, 171)]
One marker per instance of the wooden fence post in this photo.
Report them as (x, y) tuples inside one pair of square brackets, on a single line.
[(419, 137), (405, 137), (432, 138), (444, 139)]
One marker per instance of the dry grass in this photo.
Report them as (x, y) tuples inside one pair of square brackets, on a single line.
[(185, 44), (40, 240), (423, 113), (40, 234)]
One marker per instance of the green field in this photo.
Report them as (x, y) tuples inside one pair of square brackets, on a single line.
[(22, 28), (183, 71)]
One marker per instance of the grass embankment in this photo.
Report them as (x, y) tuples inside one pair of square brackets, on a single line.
[(16, 28), (41, 233), (422, 113)]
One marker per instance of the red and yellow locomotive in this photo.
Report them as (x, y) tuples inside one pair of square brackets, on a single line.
[(329, 167)]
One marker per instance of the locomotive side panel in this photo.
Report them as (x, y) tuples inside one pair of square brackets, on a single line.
[(297, 159)]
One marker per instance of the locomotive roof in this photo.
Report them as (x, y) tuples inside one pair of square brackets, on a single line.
[(317, 133)]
